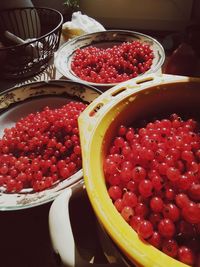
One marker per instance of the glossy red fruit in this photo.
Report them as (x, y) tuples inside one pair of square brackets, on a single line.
[(166, 228), (173, 174), (186, 255), (170, 247), (194, 192), (119, 205), (145, 229), (145, 188), (112, 65), (171, 211), (156, 204), (115, 192), (127, 213), (141, 209), (166, 187), (130, 199), (41, 148), (138, 174), (155, 240), (182, 200), (135, 221), (191, 213)]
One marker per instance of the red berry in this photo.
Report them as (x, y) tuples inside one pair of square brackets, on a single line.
[(138, 174), (125, 174), (184, 182), (166, 228), (155, 240), (187, 156), (115, 192), (130, 199), (194, 192), (112, 65), (171, 211), (156, 204), (141, 210), (185, 255), (64, 172), (110, 167), (159, 166), (155, 218), (169, 194), (173, 174), (145, 188), (170, 247), (119, 205), (135, 221), (122, 130), (182, 200), (127, 213), (33, 152), (4, 169), (191, 213), (145, 229)]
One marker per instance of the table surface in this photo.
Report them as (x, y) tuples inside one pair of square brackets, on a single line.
[(25, 238)]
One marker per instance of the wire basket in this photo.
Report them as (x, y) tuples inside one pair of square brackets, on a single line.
[(36, 32)]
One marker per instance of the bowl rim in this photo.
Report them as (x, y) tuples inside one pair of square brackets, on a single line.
[(122, 233), (48, 82), (128, 32)]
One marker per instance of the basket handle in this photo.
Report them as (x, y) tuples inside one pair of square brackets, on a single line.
[(61, 232), (31, 49)]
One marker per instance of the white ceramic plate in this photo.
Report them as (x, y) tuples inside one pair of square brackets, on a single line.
[(63, 57), (19, 102)]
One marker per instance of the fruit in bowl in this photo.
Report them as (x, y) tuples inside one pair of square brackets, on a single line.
[(152, 176), (41, 149), (143, 182), (104, 59), (112, 65), (40, 153)]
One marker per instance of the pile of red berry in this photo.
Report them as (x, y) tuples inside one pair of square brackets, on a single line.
[(112, 65), (153, 179), (41, 149)]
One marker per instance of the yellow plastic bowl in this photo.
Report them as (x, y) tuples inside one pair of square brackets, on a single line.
[(125, 103)]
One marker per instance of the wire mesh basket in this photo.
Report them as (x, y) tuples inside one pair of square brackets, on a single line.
[(28, 39)]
